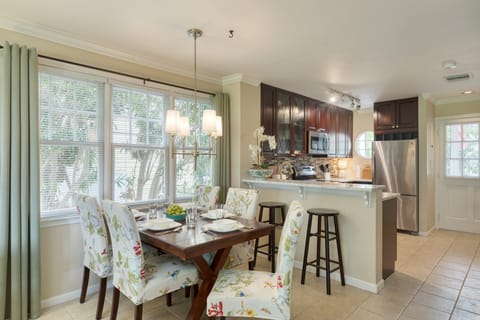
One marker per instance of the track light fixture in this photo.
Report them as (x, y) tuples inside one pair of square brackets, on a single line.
[(344, 98)]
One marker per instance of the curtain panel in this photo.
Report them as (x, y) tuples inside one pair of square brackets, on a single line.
[(222, 161), (19, 185)]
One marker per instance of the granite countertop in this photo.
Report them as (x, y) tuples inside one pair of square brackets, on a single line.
[(331, 184)]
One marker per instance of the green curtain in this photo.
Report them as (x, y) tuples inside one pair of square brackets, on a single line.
[(19, 186), (222, 161)]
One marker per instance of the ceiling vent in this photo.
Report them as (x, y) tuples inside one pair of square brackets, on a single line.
[(458, 77)]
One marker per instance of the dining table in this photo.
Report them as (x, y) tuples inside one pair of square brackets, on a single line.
[(189, 243)]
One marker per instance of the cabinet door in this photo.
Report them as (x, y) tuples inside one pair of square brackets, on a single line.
[(282, 119), (298, 125), (385, 115), (331, 125), (267, 108), (407, 114), (349, 135), (344, 145), (311, 115)]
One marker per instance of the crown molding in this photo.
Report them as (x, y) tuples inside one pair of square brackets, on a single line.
[(239, 77), (57, 36)]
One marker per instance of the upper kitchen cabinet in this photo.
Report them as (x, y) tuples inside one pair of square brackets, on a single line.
[(268, 101), (289, 117), (396, 119), (289, 123)]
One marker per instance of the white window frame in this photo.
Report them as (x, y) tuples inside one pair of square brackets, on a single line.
[(357, 150), (69, 215), (456, 121)]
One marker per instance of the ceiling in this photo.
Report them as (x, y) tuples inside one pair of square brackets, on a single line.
[(373, 49)]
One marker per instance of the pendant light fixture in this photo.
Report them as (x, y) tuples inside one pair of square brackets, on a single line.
[(177, 125)]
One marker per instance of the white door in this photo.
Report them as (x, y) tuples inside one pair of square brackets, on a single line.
[(458, 174)]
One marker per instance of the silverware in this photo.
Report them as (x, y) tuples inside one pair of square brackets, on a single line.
[(248, 227), (170, 231), (210, 233)]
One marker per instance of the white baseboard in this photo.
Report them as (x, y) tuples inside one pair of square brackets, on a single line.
[(354, 282), (427, 233), (72, 295)]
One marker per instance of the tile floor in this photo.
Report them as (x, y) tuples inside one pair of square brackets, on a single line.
[(437, 277)]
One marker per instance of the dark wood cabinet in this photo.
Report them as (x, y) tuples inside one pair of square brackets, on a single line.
[(267, 111), (396, 118), (289, 116), (389, 236), (289, 119)]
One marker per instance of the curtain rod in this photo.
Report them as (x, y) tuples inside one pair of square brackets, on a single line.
[(120, 73)]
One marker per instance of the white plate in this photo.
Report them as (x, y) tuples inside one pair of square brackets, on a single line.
[(212, 214), (222, 228), (161, 224)]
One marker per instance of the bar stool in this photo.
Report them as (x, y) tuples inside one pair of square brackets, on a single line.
[(327, 235), (272, 248)]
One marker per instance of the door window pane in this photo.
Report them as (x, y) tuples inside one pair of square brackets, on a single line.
[(462, 150)]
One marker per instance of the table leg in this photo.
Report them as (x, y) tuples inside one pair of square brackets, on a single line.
[(209, 276)]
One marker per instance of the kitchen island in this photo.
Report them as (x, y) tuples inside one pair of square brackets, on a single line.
[(360, 221)]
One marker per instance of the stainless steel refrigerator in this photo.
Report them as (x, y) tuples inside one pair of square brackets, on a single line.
[(395, 165)]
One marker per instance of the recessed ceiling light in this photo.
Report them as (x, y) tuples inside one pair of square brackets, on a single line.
[(449, 64), (467, 92)]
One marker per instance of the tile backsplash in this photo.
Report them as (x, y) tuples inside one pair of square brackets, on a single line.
[(276, 162)]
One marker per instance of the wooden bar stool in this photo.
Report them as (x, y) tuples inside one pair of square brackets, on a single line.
[(327, 235), (272, 248)]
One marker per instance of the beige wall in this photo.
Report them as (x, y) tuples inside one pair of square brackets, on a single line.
[(362, 121), (244, 118), (426, 165), (457, 108)]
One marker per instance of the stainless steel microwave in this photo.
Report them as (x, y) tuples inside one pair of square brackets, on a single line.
[(318, 143)]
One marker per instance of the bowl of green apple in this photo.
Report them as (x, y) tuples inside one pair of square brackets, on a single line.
[(175, 212)]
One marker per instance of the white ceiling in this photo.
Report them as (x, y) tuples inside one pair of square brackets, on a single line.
[(372, 49)]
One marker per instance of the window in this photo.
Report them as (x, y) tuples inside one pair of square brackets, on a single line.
[(71, 141), (363, 144), (118, 149), (462, 155), (138, 145)]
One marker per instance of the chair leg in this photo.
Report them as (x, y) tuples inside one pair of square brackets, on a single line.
[(251, 265), (101, 297), (86, 275), (339, 250), (319, 238), (187, 292), (327, 255), (115, 300), (139, 312), (168, 298), (307, 244), (195, 291)]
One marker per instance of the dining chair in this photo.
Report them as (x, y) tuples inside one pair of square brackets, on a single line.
[(243, 203), (97, 251), (138, 274), (205, 197), (258, 294)]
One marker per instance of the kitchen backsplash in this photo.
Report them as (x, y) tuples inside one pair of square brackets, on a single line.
[(278, 162)]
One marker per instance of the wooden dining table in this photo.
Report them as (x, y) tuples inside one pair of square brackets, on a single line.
[(192, 243)]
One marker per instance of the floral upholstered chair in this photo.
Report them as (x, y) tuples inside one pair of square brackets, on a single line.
[(139, 275), (243, 203), (243, 293), (97, 251), (205, 197)]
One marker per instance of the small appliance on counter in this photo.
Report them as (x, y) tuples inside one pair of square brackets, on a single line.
[(304, 172)]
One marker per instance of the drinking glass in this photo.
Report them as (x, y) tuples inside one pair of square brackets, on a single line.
[(191, 217), (152, 212), (220, 212)]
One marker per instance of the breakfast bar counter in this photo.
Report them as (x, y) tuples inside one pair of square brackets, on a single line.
[(360, 220)]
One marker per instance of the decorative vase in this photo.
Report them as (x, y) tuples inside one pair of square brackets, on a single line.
[(259, 173)]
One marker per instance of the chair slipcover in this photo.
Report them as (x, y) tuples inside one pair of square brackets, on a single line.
[(242, 293), (138, 275), (96, 241), (243, 203), (205, 197)]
